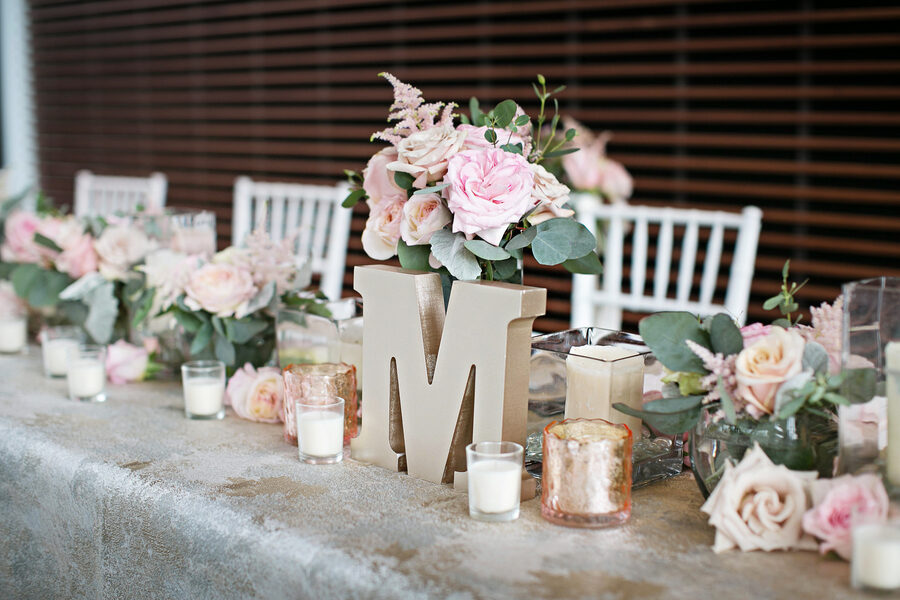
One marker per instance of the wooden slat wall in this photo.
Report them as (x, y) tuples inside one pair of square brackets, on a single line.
[(789, 105)]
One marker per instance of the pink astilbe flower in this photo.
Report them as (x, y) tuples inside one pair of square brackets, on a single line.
[(411, 112), (826, 329), (268, 260), (718, 365)]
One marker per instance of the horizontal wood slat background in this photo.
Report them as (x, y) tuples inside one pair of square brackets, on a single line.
[(791, 106)]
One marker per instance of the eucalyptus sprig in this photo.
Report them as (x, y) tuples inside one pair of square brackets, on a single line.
[(785, 300), (549, 149)]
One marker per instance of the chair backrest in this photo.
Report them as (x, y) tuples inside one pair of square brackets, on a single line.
[(108, 194), (312, 213), (596, 305)]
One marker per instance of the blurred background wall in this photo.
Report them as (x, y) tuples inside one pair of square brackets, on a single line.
[(788, 105)]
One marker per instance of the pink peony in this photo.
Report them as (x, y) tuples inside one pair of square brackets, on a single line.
[(256, 395), (836, 502), (424, 154), (382, 232), (423, 214), (378, 181), (766, 364), (754, 332), (489, 190), (125, 362), (221, 289), (19, 246)]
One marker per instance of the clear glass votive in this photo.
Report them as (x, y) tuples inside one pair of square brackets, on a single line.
[(305, 382), (204, 389), (494, 473), (586, 479), (86, 373), (56, 343), (875, 565), (320, 429), (13, 331)]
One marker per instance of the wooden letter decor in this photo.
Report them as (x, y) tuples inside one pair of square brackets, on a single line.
[(430, 387)]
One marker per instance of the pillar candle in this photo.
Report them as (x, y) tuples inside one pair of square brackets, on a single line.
[(892, 364), (598, 377)]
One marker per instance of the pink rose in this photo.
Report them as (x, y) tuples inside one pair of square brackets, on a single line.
[(549, 195), (125, 362), (489, 190), (378, 181), (119, 248), (423, 214), (78, 257), (382, 232), (256, 395), (19, 230), (221, 289), (424, 154), (475, 139), (836, 501), (754, 332), (762, 367)]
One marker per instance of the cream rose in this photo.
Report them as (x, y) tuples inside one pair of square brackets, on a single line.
[(126, 362), (221, 289), (424, 154), (423, 214), (378, 180), (119, 248), (256, 395), (549, 195), (379, 238), (759, 506), (762, 367)]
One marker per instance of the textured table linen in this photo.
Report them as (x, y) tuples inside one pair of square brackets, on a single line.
[(129, 499)]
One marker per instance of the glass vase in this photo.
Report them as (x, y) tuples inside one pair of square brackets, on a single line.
[(803, 442)]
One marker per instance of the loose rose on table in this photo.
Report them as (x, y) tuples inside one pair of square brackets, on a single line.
[(256, 394)]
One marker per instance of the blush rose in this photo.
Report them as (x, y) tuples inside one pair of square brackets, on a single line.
[(423, 214), (256, 394), (221, 289), (425, 154), (125, 362), (763, 366)]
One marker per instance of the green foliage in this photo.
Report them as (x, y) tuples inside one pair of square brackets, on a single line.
[(482, 249), (665, 334), (785, 301), (42, 240), (353, 198), (413, 257), (450, 249), (668, 415), (561, 239), (724, 335), (38, 286), (404, 180), (589, 264)]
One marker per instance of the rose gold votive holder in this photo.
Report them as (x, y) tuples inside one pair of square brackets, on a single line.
[(586, 478), (317, 383)]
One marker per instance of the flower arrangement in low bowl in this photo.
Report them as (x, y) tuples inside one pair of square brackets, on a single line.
[(466, 200), (775, 385)]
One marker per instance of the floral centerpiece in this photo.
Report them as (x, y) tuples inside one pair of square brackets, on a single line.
[(467, 199), (591, 170), (775, 385)]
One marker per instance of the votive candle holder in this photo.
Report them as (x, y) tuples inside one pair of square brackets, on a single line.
[(86, 373), (320, 429), (875, 563), (56, 343), (13, 331), (203, 382), (316, 383), (494, 473), (586, 479)]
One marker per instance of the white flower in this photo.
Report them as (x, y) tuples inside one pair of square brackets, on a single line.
[(119, 248), (423, 214), (549, 195), (424, 154), (168, 272)]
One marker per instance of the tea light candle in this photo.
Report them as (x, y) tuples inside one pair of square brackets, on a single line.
[(494, 486), (56, 355), (320, 433), (598, 377), (204, 396), (86, 377), (892, 368), (13, 333), (876, 557)]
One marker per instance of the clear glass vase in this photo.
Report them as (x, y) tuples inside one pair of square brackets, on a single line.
[(803, 442)]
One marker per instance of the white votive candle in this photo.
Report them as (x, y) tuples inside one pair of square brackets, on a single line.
[(320, 433), (876, 557), (598, 377), (56, 355), (13, 333), (892, 364), (494, 486), (86, 377), (204, 396)]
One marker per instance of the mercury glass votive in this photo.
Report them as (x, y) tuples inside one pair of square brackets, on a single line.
[(320, 429), (494, 473), (204, 389), (86, 373), (316, 383), (56, 343), (586, 477)]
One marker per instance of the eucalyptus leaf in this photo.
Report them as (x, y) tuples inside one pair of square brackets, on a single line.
[(42, 240), (514, 148), (561, 152), (190, 322), (724, 335), (103, 310), (491, 136), (482, 249), (522, 240), (727, 402), (505, 269), (404, 180), (241, 331), (671, 416), (201, 339), (413, 257), (224, 350), (589, 264), (665, 334), (450, 249), (47, 287), (790, 390), (353, 198), (144, 305), (218, 327), (505, 112), (815, 358), (859, 385), (772, 302), (262, 299), (23, 277), (521, 120), (432, 189)]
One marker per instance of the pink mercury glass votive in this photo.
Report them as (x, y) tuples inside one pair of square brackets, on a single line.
[(307, 383)]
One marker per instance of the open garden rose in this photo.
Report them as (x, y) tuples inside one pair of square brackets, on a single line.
[(256, 394), (119, 248), (221, 289), (424, 154), (836, 501), (489, 190), (759, 506), (379, 238), (78, 257), (378, 181), (423, 214), (766, 364), (549, 195), (125, 362), (18, 245), (168, 272)]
